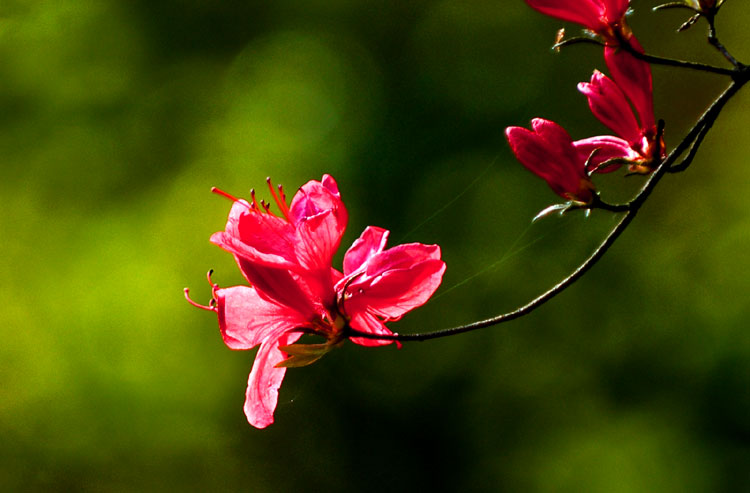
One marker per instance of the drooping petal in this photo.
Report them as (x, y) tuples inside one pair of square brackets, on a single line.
[(370, 324), (371, 241), (246, 319), (265, 378), (634, 78), (588, 13), (609, 106), (607, 147)]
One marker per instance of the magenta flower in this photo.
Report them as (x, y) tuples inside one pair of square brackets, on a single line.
[(603, 17), (550, 153), (294, 290), (610, 102)]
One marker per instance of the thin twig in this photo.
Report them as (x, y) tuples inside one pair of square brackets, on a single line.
[(672, 62), (706, 120), (683, 165), (714, 41)]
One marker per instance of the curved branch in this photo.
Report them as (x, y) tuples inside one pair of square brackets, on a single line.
[(706, 120)]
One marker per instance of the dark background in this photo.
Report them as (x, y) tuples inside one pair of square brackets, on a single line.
[(116, 118)]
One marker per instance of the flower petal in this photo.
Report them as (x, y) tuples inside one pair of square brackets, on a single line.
[(396, 281), (607, 147), (615, 9), (588, 13), (258, 237), (533, 152), (366, 322), (548, 152), (265, 378), (370, 242), (317, 239), (246, 319), (315, 197), (634, 78), (281, 286), (609, 106)]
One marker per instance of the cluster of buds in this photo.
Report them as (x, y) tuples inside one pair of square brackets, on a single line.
[(622, 102)]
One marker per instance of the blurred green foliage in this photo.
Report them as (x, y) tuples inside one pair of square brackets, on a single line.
[(118, 116)]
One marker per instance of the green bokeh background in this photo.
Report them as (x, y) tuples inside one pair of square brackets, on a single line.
[(116, 118)]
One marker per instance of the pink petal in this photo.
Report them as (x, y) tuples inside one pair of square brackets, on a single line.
[(282, 257), (400, 257), (370, 242), (265, 378), (246, 319), (281, 286), (315, 197), (615, 10), (557, 139), (549, 154), (533, 152), (588, 13), (258, 237), (607, 147), (366, 322), (634, 78), (396, 281), (317, 239), (609, 106)]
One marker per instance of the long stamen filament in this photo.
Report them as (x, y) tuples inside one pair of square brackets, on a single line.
[(279, 198), (224, 194), (209, 308)]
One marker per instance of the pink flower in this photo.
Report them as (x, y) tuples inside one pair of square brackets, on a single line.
[(610, 101), (294, 290), (550, 153), (603, 17)]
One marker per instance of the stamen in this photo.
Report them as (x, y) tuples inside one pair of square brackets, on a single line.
[(279, 198), (214, 288), (209, 308), (253, 201), (224, 194)]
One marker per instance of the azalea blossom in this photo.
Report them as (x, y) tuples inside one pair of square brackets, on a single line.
[(611, 104), (549, 152), (293, 290)]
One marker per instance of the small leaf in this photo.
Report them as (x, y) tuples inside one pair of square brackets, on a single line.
[(305, 354), (673, 5), (556, 208), (689, 23)]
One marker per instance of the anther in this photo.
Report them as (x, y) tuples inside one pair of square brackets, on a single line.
[(253, 201), (224, 194)]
